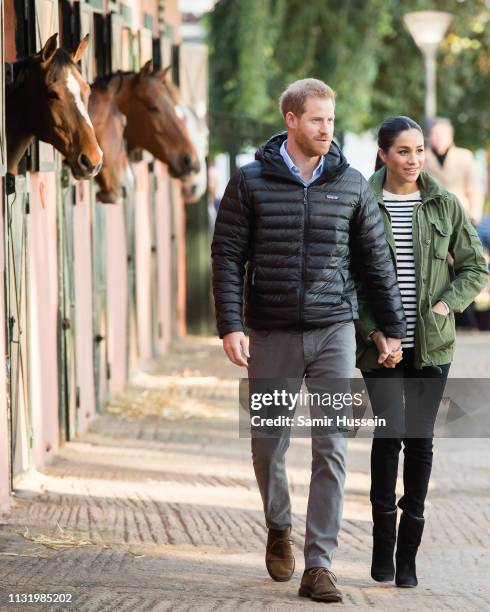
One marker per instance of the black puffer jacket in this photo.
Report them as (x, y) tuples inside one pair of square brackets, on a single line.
[(301, 247)]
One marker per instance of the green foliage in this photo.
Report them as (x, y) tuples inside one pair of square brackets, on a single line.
[(463, 70), (308, 46), (464, 77), (240, 48), (359, 48)]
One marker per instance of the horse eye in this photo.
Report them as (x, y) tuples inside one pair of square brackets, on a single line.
[(153, 109), (53, 95)]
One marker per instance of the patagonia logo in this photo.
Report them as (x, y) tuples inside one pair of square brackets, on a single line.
[(332, 196)]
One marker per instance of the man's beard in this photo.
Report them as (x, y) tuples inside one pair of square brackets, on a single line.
[(310, 147)]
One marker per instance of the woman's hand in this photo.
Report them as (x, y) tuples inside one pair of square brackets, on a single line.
[(440, 308), (393, 358), (386, 347)]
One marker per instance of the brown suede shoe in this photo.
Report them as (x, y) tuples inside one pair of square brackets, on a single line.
[(279, 558), (318, 583)]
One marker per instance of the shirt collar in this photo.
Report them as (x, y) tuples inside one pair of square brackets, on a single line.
[(294, 168)]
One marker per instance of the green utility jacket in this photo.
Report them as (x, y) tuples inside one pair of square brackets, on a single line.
[(440, 226)]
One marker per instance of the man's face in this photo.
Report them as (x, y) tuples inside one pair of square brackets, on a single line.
[(441, 137), (313, 130)]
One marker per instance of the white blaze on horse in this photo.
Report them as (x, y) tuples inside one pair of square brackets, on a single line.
[(48, 100), (194, 185)]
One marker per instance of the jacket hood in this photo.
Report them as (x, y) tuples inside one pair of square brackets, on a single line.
[(428, 186), (273, 164)]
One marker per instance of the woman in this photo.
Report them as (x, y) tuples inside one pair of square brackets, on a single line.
[(423, 223)]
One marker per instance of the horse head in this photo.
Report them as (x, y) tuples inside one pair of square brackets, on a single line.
[(109, 124), (50, 100), (156, 121)]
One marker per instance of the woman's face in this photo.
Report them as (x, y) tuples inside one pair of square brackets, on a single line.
[(405, 158)]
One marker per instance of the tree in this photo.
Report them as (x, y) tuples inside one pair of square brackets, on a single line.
[(464, 82), (335, 41), (361, 49), (240, 35), (463, 70), (258, 47)]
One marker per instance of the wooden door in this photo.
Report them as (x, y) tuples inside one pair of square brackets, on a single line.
[(156, 324), (123, 58), (16, 209), (92, 22), (3, 152), (43, 155), (99, 282), (69, 393)]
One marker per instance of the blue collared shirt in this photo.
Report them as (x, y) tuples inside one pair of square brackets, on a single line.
[(295, 171)]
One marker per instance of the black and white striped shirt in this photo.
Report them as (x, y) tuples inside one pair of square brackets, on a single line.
[(401, 208)]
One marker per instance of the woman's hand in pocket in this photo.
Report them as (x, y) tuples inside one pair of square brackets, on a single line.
[(440, 308)]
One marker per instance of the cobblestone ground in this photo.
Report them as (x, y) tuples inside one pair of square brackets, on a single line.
[(156, 508)]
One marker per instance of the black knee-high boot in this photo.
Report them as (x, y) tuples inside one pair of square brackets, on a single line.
[(409, 537), (384, 538)]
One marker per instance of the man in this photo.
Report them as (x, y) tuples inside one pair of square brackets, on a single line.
[(455, 168), (296, 217)]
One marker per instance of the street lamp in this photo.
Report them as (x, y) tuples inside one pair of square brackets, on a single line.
[(427, 29)]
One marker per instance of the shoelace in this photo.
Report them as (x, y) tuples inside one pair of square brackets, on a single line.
[(271, 546), (317, 571)]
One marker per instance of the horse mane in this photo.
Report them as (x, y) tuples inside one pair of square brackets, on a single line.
[(102, 82), (19, 70), (22, 66)]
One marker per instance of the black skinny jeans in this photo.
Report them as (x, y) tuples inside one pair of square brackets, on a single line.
[(411, 405)]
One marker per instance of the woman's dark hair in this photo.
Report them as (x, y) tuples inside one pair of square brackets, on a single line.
[(389, 130)]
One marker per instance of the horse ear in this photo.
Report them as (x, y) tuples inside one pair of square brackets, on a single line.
[(162, 74), (146, 70), (49, 49), (113, 86), (79, 49)]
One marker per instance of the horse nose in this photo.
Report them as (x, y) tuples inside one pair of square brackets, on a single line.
[(189, 164), (85, 163)]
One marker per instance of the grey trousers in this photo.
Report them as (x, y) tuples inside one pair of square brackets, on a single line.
[(314, 355)]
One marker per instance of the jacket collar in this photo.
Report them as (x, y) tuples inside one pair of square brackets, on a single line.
[(428, 186), (334, 162)]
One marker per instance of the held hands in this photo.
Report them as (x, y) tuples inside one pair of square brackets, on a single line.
[(235, 345), (390, 351)]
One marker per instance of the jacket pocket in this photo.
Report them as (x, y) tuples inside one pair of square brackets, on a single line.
[(344, 275), (440, 330), (440, 239)]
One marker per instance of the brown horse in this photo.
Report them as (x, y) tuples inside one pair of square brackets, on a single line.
[(155, 121), (48, 100), (109, 124)]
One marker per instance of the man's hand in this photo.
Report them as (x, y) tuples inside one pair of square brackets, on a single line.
[(235, 346), (394, 344), (393, 359), (379, 340), (386, 346)]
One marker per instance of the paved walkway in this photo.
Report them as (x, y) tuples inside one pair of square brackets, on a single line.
[(156, 508)]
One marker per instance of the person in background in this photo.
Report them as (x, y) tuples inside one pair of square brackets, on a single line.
[(423, 223), (454, 168)]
